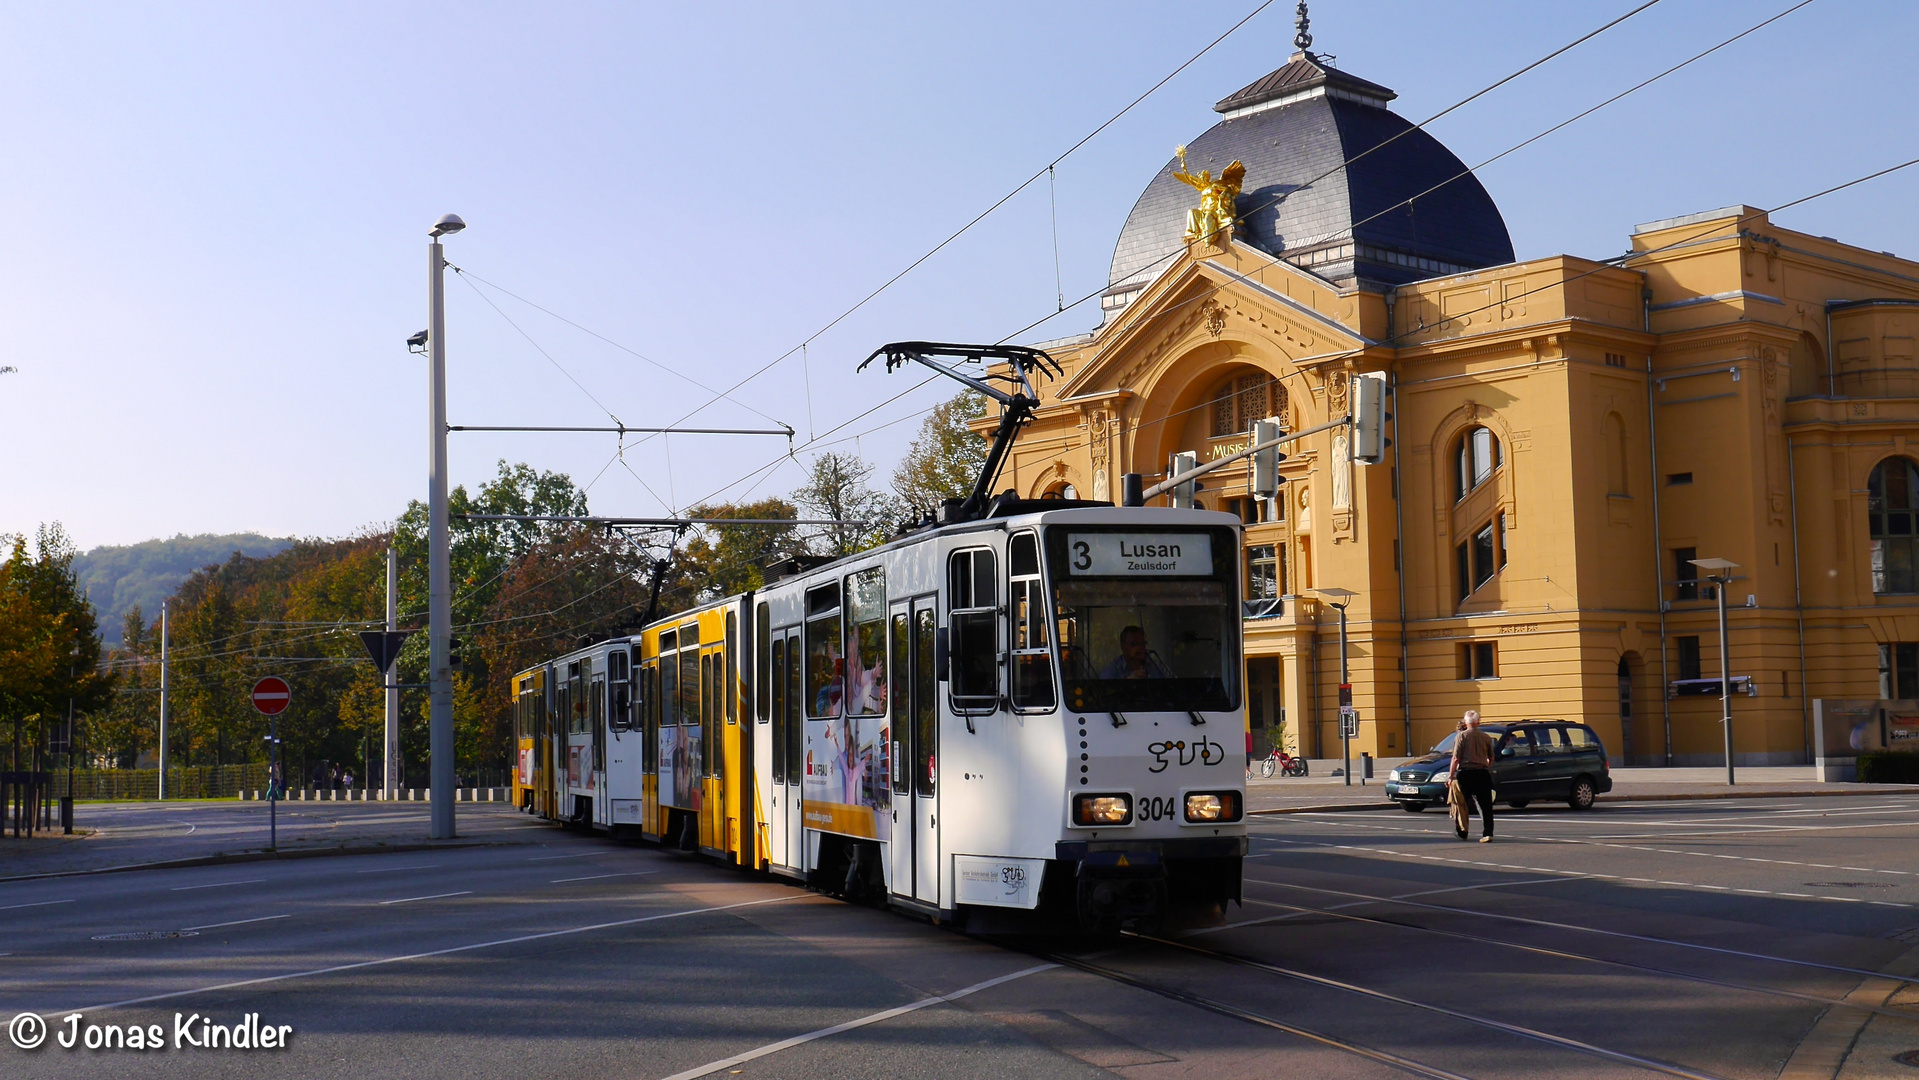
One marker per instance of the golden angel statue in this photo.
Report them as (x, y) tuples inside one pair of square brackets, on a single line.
[(1216, 210)]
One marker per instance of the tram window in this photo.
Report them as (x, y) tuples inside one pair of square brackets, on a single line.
[(620, 707), (712, 670), (763, 636), (795, 711), (690, 713), (669, 711), (778, 708), (901, 719), (728, 691), (975, 635), (1032, 659), (866, 638), (596, 704), (825, 653), (650, 712), (925, 704)]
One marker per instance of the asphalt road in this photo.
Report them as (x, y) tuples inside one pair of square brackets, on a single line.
[(1737, 938)]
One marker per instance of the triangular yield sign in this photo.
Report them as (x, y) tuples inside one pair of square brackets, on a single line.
[(383, 646)]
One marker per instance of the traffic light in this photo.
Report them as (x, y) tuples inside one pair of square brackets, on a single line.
[(1369, 418), (1184, 461), (453, 647), (1266, 462)]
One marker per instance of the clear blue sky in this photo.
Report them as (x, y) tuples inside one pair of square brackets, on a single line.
[(213, 216)]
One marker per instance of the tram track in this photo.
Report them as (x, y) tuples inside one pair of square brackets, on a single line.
[(1212, 1005), (1560, 1042)]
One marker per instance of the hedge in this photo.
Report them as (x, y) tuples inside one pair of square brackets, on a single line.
[(1889, 767)]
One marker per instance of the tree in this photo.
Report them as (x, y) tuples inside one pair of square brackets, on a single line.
[(49, 640), (836, 488), (945, 458), (723, 561)]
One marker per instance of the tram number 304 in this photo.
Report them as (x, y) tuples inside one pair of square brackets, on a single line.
[(1156, 809)]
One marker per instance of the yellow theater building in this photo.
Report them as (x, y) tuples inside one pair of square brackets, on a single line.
[(1566, 436)]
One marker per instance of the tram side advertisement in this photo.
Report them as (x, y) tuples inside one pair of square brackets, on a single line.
[(847, 785)]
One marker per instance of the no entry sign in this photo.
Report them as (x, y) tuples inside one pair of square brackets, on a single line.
[(271, 695)]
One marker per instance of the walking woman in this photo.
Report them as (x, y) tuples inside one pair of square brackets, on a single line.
[(1473, 771)]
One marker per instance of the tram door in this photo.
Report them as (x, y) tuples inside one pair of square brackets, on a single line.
[(915, 724), (786, 829)]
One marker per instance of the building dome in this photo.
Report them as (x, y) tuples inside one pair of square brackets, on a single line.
[(1294, 127)]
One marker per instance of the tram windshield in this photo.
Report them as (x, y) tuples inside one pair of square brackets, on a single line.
[(1148, 621)]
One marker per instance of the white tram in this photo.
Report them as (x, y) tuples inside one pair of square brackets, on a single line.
[(1036, 704)]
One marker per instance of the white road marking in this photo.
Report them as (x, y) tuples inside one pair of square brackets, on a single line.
[(1489, 885), (426, 955), (435, 896), (391, 869), (872, 1018), (43, 903), (596, 877), (216, 884), (237, 922)]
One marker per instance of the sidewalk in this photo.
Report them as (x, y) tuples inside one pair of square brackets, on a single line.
[(1320, 790)]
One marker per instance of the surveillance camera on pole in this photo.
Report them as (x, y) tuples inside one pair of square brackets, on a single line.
[(1266, 462), (1185, 461), (1369, 419)]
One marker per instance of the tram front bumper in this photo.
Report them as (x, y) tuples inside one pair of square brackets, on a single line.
[(1131, 879)]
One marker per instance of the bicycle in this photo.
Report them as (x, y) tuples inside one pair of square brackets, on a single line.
[(1278, 761)]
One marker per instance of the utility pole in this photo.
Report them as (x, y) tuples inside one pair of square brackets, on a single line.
[(439, 553), (1339, 598), (390, 787), (162, 792)]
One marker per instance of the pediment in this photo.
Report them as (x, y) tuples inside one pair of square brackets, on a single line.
[(1242, 294)]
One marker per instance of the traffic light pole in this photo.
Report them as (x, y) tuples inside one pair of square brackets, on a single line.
[(1190, 475)]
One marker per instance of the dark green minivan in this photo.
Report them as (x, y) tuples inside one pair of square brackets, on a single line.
[(1537, 761)]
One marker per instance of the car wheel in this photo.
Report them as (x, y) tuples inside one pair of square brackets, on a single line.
[(1518, 804), (1412, 807), (1582, 794)]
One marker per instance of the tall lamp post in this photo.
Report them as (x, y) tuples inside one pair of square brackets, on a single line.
[(1339, 598), (439, 589), (1717, 573)]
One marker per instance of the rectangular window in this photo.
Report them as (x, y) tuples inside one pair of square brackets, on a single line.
[(795, 710), (825, 654), (728, 693), (1678, 478), (650, 704), (974, 641), (926, 729), (1462, 555), (1500, 521), (1685, 573), (690, 713), (1032, 652), (1688, 656), (1614, 359), (1262, 572), (1485, 548), (1899, 671), (1479, 660), (902, 720), (763, 636), (866, 638)]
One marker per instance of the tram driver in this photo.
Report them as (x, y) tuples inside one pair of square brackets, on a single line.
[(1135, 660)]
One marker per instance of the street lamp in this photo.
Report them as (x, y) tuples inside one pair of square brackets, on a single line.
[(1339, 598), (1716, 572), (438, 573)]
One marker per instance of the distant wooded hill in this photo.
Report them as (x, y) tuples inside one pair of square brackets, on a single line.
[(117, 579)]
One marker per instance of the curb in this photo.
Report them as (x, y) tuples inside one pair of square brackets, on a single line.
[(256, 856), (1895, 789)]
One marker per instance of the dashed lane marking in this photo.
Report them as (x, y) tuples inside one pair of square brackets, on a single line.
[(435, 896), (1504, 917), (236, 922), (596, 877)]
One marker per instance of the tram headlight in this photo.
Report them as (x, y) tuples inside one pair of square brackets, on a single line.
[(1102, 809), (1206, 807)]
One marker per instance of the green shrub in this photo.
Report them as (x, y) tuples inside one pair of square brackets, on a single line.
[(1889, 767)]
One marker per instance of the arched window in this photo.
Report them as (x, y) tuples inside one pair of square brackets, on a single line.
[(1479, 458), (1892, 516), (1240, 401), (1061, 490), (1614, 430)]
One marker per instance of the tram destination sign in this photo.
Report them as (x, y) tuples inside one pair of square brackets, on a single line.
[(1116, 554)]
